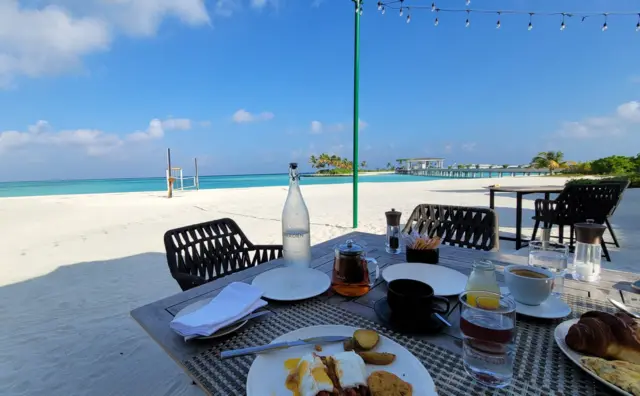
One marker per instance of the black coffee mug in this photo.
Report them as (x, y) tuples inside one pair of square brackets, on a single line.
[(411, 298)]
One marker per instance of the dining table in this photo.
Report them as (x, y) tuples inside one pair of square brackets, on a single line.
[(520, 192), (540, 366)]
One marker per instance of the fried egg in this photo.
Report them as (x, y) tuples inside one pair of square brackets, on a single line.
[(350, 369), (312, 376)]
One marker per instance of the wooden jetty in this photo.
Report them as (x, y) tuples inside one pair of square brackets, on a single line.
[(474, 173)]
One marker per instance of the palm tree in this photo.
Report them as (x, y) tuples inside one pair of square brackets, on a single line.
[(551, 160), (363, 164), (313, 161), (390, 165)]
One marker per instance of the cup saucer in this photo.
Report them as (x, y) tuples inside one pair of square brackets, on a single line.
[(551, 308), (416, 325)]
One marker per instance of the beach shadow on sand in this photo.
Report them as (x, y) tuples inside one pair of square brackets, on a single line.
[(69, 332)]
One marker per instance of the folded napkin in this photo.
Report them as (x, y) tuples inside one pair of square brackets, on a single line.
[(234, 302)]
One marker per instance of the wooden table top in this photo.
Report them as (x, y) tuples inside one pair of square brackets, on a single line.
[(155, 317), (527, 189)]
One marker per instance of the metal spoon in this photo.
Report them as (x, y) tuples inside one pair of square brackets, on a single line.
[(443, 320), (621, 306)]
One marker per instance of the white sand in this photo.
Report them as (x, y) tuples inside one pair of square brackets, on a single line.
[(73, 267)]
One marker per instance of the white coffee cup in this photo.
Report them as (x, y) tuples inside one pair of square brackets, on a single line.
[(529, 290)]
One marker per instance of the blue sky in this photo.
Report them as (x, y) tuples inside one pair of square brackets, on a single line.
[(95, 88)]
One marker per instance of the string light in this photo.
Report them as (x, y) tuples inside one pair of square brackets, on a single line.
[(383, 10), (467, 2), (408, 14), (393, 4)]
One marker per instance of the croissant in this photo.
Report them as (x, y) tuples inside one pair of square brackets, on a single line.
[(607, 336)]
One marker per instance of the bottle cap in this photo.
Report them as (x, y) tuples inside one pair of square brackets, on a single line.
[(393, 217), (589, 232)]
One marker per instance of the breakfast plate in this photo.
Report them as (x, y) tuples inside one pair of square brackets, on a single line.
[(560, 333), (291, 283), (268, 373), (222, 332), (551, 308), (445, 281)]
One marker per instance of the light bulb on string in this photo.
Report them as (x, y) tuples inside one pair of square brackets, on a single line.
[(379, 6), (401, 11), (604, 25), (498, 24), (638, 24), (433, 7), (530, 21), (467, 22), (361, 10), (562, 25), (467, 2), (408, 15), (383, 10)]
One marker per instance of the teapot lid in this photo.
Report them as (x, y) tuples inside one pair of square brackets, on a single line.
[(393, 217), (589, 232), (350, 248)]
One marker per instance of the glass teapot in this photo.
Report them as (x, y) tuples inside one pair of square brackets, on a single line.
[(350, 275)]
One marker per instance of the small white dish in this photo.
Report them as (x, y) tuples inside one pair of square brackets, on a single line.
[(444, 281), (559, 334), (267, 374), (222, 332), (551, 308), (291, 283)]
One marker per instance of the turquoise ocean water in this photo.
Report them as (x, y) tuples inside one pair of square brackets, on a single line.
[(99, 186)]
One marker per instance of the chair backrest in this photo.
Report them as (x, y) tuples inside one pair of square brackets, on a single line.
[(207, 250), (590, 201), (624, 184), (462, 226)]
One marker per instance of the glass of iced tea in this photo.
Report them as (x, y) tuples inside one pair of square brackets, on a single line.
[(488, 326)]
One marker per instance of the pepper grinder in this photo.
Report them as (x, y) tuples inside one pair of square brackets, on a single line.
[(392, 245), (588, 254)]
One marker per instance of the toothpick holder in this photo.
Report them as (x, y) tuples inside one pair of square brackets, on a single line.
[(431, 256)]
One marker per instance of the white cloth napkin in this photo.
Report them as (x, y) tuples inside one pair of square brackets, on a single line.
[(235, 301)]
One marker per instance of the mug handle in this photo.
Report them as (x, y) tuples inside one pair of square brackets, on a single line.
[(438, 309)]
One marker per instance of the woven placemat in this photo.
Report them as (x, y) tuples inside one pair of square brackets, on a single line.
[(541, 368)]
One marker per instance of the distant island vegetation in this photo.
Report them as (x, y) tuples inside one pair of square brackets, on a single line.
[(334, 165)]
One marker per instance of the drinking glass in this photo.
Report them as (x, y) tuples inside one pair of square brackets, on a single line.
[(552, 257), (488, 326)]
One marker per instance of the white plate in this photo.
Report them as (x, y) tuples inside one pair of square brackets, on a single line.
[(268, 374), (222, 332), (560, 333), (292, 284), (552, 308), (445, 281)]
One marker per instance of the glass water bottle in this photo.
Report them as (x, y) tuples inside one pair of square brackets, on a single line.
[(588, 253), (296, 239)]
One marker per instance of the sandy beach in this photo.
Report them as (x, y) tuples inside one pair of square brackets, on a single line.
[(73, 267)]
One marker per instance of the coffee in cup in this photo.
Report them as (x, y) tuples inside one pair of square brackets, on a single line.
[(408, 298), (529, 285)]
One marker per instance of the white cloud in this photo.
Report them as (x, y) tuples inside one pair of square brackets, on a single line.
[(470, 146), (626, 115), (91, 141), (448, 148), (242, 116), (316, 127), (53, 38), (319, 127)]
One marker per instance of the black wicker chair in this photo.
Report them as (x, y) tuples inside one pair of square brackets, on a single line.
[(623, 185), (201, 253), (462, 226), (578, 203)]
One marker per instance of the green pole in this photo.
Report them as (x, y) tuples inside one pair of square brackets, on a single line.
[(356, 105)]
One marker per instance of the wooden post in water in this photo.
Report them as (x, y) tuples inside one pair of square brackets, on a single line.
[(169, 176), (195, 160)]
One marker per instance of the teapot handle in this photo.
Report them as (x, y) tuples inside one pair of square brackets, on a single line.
[(377, 273)]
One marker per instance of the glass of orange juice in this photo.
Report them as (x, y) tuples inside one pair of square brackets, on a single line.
[(482, 279)]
